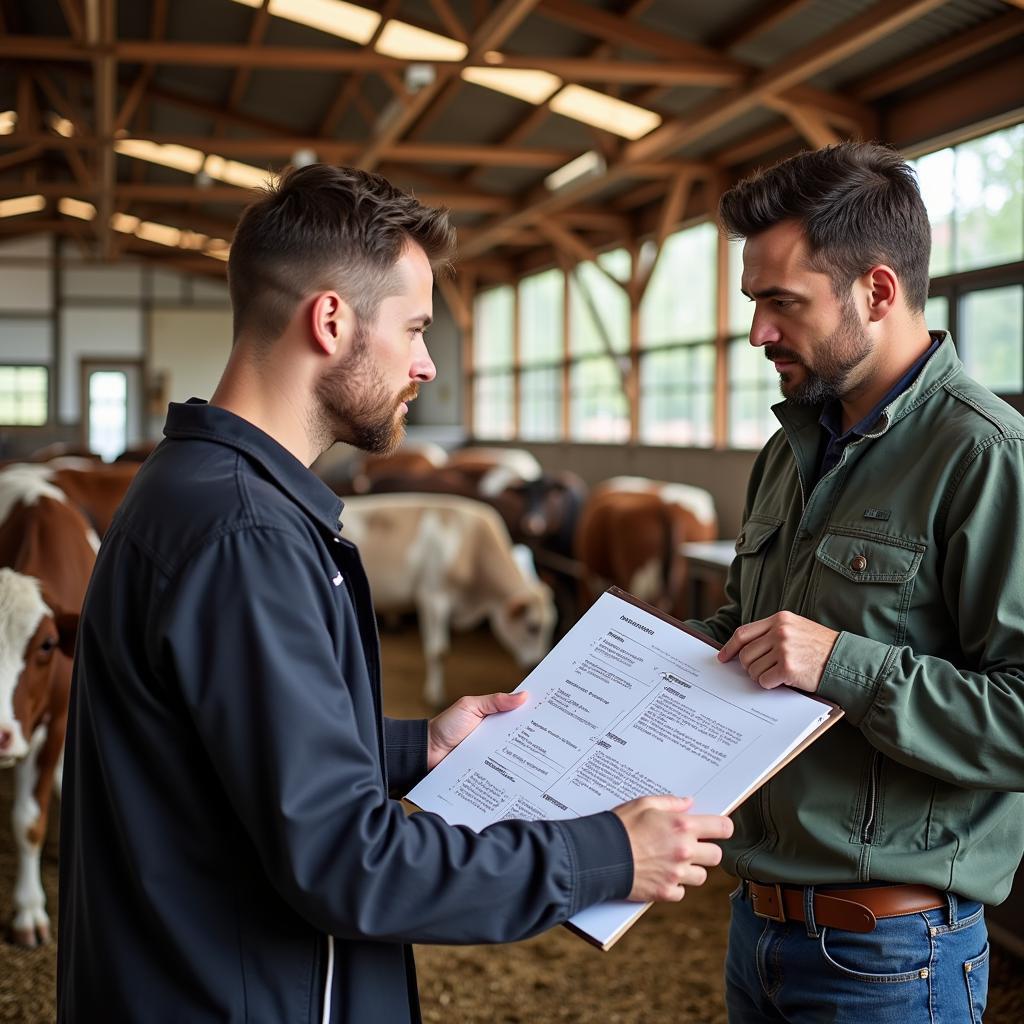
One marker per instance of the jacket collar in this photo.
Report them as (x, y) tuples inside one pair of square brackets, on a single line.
[(198, 419), (940, 367)]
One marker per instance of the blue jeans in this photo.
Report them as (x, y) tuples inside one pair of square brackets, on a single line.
[(930, 967)]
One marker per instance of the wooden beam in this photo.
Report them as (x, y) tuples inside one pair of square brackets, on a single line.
[(73, 16), (878, 21), (755, 145), (808, 122), (621, 31), (101, 27), (671, 213), (240, 81), (462, 313), (18, 157), (937, 58), (229, 194), (769, 16), (630, 72), (448, 18), (574, 247)]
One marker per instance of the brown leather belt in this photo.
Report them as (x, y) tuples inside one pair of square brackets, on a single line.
[(852, 910)]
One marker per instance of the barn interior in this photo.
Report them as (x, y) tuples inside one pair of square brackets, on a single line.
[(592, 329)]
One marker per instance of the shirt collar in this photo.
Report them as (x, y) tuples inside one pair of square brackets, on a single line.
[(198, 419)]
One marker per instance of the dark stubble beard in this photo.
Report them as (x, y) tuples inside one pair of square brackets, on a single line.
[(835, 359), (355, 405)]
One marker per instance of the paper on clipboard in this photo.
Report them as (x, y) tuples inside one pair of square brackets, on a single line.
[(629, 703)]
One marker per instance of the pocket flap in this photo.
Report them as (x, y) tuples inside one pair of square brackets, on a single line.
[(870, 559), (757, 531)]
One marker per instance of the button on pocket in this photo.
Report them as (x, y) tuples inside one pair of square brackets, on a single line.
[(858, 563)]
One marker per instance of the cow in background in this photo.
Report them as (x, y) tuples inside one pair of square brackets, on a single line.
[(476, 462), (451, 560), (629, 535), (96, 489), (47, 551)]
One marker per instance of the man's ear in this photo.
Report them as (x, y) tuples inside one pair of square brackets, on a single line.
[(332, 322), (883, 289)]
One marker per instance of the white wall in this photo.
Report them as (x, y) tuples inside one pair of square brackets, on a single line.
[(88, 332), (189, 346)]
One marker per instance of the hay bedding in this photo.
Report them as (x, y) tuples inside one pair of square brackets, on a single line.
[(666, 970)]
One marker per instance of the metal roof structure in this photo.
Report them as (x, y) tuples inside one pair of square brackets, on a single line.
[(142, 126)]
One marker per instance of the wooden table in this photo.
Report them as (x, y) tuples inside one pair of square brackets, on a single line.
[(707, 566)]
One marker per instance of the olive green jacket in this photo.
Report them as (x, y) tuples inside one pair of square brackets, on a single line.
[(913, 548)]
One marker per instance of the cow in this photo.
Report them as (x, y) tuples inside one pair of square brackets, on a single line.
[(476, 462), (96, 489), (413, 459), (451, 560), (47, 551), (629, 535)]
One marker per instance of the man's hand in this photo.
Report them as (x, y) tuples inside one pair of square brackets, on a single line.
[(782, 649), (452, 726), (670, 847)]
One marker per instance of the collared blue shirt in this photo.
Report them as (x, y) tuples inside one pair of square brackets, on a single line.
[(834, 442)]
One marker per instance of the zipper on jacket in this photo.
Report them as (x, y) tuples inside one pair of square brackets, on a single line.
[(328, 981), (867, 832)]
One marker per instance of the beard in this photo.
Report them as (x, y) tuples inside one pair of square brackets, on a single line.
[(354, 403), (835, 359)]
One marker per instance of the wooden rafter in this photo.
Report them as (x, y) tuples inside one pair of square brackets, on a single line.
[(767, 17), (960, 48), (880, 19), (574, 247), (810, 123), (671, 213), (240, 80), (100, 28)]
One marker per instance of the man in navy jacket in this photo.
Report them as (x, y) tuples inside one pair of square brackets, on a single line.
[(230, 850)]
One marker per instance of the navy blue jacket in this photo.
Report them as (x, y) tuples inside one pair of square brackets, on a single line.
[(230, 850)]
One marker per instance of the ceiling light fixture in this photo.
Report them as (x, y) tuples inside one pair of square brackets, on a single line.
[(335, 17), (8, 121), (407, 42), (21, 204), (232, 172), (181, 158), (532, 86), (76, 208), (605, 112), (584, 166)]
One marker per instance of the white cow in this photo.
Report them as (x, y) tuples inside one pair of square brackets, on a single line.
[(451, 560)]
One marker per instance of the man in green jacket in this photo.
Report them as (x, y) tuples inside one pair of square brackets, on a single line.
[(880, 566)]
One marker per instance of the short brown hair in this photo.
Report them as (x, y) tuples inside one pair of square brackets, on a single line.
[(858, 204), (326, 228)]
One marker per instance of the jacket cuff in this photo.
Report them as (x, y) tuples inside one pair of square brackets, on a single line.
[(602, 857), (405, 747), (854, 673)]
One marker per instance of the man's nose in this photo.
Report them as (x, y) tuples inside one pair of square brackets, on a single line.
[(422, 368), (763, 331)]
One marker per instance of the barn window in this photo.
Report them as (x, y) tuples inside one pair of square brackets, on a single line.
[(677, 332), (493, 362), (599, 346), (975, 198), (541, 354), (24, 395)]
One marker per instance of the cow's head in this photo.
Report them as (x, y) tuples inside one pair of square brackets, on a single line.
[(525, 622), (33, 637)]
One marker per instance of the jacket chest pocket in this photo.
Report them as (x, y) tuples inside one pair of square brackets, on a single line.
[(752, 548), (865, 583)]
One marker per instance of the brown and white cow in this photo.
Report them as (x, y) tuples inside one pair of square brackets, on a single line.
[(47, 550), (96, 489), (451, 560), (629, 534)]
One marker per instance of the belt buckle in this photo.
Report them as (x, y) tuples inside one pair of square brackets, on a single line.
[(780, 916)]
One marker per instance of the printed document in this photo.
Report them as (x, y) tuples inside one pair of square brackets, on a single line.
[(627, 704)]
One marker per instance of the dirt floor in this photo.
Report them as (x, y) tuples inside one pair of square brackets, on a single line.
[(666, 970)]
